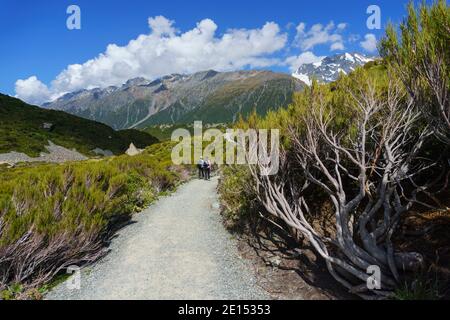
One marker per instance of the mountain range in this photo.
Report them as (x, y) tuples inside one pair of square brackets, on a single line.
[(328, 69), (210, 96)]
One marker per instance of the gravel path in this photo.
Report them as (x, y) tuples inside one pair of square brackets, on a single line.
[(176, 249)]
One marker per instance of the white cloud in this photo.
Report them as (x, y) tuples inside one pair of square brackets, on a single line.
[(294, 62), (319, 34), (370, 43), (353, 38), (341, 26), (161, 26), (164, 51), (32, 90), (337, 46)]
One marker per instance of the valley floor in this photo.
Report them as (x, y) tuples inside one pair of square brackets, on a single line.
[(176, 249)]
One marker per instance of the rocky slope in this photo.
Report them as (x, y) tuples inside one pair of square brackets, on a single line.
[(329, 68), (53, 154)]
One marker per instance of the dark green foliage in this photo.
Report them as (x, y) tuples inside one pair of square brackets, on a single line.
[(423, 287), (237, 99), (237, 197), (21, 130), (164, 132), (419, 53), (140, 139)]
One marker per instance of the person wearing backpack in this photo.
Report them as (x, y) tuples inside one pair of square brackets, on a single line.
[(200, 166), (207, 169)]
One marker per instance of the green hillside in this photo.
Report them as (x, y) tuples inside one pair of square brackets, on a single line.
[(164, 132), (22, 130)]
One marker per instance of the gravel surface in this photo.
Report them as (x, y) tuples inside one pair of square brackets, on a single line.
[(176, 249), (56, 154)]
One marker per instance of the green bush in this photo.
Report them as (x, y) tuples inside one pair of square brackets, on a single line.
[(237, 197), (419, 52), (52, 216)]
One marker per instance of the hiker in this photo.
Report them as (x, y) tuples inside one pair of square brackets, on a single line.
[(200, 166), (207, 169)]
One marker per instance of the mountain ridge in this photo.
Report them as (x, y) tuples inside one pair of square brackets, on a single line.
[(329, 68), (210, 96)]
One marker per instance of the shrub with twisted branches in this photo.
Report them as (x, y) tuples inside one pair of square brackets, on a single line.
[(369, 171)]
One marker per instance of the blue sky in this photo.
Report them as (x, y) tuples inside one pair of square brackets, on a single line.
[(36, 43)]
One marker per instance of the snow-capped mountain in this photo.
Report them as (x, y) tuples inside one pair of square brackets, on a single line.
[(329, 68), (210, 96)]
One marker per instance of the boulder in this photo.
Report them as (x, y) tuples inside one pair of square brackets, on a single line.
[(133, 151), (47, 126)]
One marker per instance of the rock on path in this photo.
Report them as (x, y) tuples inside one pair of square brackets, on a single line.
[(176, 249)]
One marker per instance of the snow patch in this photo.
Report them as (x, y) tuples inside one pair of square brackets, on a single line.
[(317, 64), (302, 77), (349, 57), (363, 59)]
